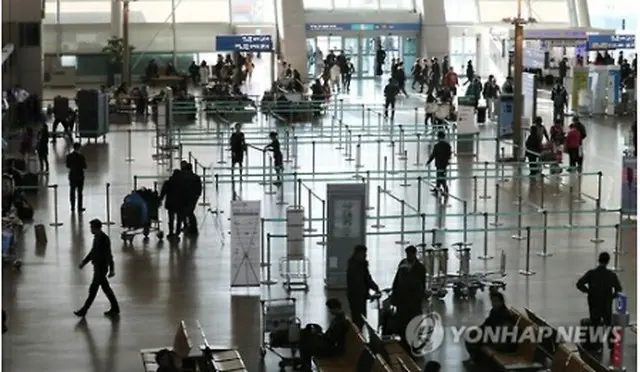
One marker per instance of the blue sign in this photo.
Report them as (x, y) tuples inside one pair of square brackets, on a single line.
[(621, 303), (505, 115), (614, 81), (414, 27), (611, 42), (244, 43)]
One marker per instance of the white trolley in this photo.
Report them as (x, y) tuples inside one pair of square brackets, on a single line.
[(281, 331)]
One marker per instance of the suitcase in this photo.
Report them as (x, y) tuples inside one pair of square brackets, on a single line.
[(482, 115)]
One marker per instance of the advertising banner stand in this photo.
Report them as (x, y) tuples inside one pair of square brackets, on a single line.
[(466, 126)]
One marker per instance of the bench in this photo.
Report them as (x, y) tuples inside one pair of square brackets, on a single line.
[(524, 358), (392, 351), (356, 353), (221, 358)]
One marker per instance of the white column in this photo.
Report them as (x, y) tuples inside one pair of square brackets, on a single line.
[(435, 32), (294, 35), (116, 18)]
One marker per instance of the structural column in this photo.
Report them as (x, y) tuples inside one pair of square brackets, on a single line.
[(293, 34), (435, 32), (116, 18), (583, 13)]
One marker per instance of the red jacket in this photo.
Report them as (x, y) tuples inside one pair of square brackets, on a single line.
[(574, 139), (450, 79)]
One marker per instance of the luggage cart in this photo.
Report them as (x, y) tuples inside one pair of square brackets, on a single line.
[(387, 321), (295, 273), (133, 226), (281, 331)]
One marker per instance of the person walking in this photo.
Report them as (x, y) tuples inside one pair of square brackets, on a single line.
[(101, 258)]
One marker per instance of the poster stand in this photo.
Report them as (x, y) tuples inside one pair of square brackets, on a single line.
[(245, 243)]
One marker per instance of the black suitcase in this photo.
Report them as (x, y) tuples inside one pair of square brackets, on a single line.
[(482, 115)]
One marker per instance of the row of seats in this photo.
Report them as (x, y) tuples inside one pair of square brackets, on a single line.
[(529, 355), (360, 355)]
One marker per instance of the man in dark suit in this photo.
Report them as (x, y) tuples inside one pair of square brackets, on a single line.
[(102, 259), (76, 163)]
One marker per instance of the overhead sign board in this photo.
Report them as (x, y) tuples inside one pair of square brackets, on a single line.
[(611, 42), (244, 43), (363, 27), (554, 34)]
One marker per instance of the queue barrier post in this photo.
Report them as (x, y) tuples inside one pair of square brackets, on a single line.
[(135, 182), (358, 161), (129, 158), (216, 178), (56, 221), (401, 142), (324, 224), (545, 235), (423, 223), (221, 145), (485, 173), (367, 181), (348, 151), (485, 239), (419, 206), (204, 202), (542, 192), (527, 265), (502, 177), (107, 188), (281, 200), (270, 191), (362, 112), (313, 156), (339, 147), (378, 225), (263, 243), (418, 148), (298, 194), (597, 239), (475, 195), (379, 148), (616, 250), (268, 264), (571, 189), (384, 177), (393, 158), (519, 236), (287, 143), (496, 207), (402, 241), (465, 221), (405, 182), (310, 209), (264, 169), (295, 153)]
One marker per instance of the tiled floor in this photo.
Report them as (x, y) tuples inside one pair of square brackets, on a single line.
[(159, 284)]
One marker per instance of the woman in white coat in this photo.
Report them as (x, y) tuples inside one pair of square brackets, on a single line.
[(318, 63), (334, 74)]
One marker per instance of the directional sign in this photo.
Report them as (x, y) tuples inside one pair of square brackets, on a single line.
[(244, 43), (363, 26), (611, 42)]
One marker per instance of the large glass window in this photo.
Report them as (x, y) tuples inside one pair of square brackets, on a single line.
[(80, 12), (356, 4), (253, 11), (614, 14), (150, 11), (194, 11), (453, 13), (550, 11), (397, 4), (317, 4)]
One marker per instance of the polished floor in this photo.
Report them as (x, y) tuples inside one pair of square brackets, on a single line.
[(159, 284)]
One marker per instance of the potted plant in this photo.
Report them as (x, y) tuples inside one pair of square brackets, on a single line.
[(115, 50)]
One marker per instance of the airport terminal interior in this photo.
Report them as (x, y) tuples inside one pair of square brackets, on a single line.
[(536, 235)]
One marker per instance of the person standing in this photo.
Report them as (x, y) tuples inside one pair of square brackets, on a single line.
[(278, 159), (560, 99), (348, 75), (101, 258), (601, 286), (416, 73), (172, 194), (42, 147), (408, 290), (193, 187), (238, 148), (76, 164), (359, 283)]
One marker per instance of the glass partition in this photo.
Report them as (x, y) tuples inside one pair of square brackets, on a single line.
[(253, 11), (359, 4), (619, 15)]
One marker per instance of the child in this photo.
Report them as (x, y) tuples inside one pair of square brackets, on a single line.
[(274, 147)]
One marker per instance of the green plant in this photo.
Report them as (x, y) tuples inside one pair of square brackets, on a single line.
[(115, 49)]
